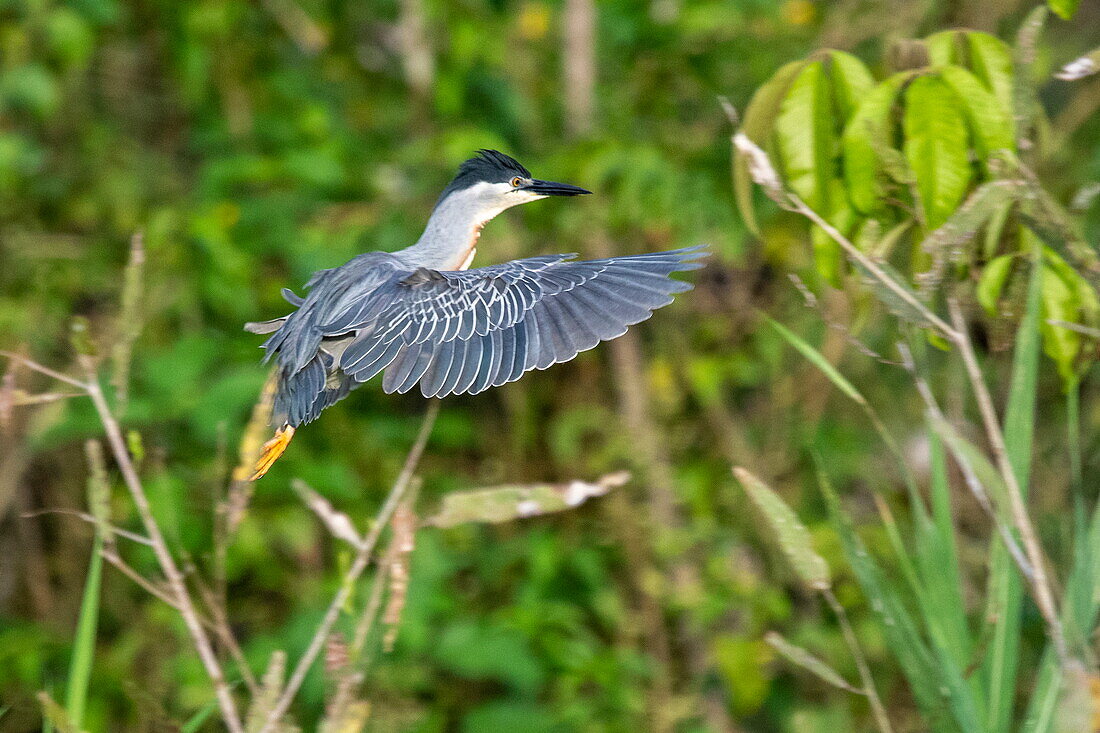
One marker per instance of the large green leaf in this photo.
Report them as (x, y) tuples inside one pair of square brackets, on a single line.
[(1064, 9), (990, 120), (1066, 297), (805, 137), (991, 62), (806, 141), (936, 147), (944, 47), (757, 124), (868, 132), (991, 283), (851, 83)]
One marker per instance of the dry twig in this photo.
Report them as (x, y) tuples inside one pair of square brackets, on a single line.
[(347, 584), (164, 557)]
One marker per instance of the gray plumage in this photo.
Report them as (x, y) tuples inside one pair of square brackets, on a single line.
[(455, 331)]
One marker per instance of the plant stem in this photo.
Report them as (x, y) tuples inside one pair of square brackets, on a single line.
[(861, 663), (347, 583), (800, 206), (160, 549), (1044, 597), (970, 478)]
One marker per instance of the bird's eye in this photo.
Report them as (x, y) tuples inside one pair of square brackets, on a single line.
[(516, 182)]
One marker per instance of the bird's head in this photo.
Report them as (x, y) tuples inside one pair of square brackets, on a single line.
[(491, 182)]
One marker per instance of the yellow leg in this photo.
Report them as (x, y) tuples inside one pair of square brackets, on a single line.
[(271, 451)]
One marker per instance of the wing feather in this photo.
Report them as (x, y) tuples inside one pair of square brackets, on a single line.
[(456, 332)]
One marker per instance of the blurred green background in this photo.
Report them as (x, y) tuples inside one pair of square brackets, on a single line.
[(256, 142)]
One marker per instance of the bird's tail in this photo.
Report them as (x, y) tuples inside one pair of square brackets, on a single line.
[(271, 451)]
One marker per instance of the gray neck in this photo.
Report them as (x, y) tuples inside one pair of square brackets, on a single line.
[(451, 232)]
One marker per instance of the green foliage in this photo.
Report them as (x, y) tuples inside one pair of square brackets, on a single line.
[(254, 143), (936, 148), (1065, 9), (908, 150)]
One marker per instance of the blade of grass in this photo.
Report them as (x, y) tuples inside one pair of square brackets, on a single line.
[(80, 665), (940, 563), (938, 557), (816, 358), (1001, 669), (56, 716), (1081, 603), (940, 691), (195, 722), (1080, 608), (1073, 447), (938, 617), (841, 382)]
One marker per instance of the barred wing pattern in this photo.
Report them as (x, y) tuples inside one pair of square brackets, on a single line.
[(461, 332)]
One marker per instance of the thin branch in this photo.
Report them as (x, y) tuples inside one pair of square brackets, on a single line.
[(310, 37), (362, 560), (765, 175), (1044, 596), (904, 294), (374, 603), (1093, 333), (336, 522), (219, 624), (111, 555), (124, 533), (160, 548), (865, 677), (21, 398), (52, 374)]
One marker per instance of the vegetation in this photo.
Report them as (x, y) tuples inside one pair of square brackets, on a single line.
[(891, 348)]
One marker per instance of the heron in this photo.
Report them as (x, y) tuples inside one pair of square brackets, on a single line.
[(422, 316)]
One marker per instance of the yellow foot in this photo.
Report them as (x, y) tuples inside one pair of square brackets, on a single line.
[(271, 451)]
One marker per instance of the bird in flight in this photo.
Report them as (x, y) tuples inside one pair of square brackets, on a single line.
[(421, 316)]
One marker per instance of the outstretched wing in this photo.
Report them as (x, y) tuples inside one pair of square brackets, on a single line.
[(458, 332)]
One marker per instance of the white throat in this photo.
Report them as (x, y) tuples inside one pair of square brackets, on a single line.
[(450, 237)]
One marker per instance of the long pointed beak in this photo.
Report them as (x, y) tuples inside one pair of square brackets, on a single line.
[(549, 188)]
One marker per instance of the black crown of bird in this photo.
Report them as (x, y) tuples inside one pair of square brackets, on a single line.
[(422, 316)]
